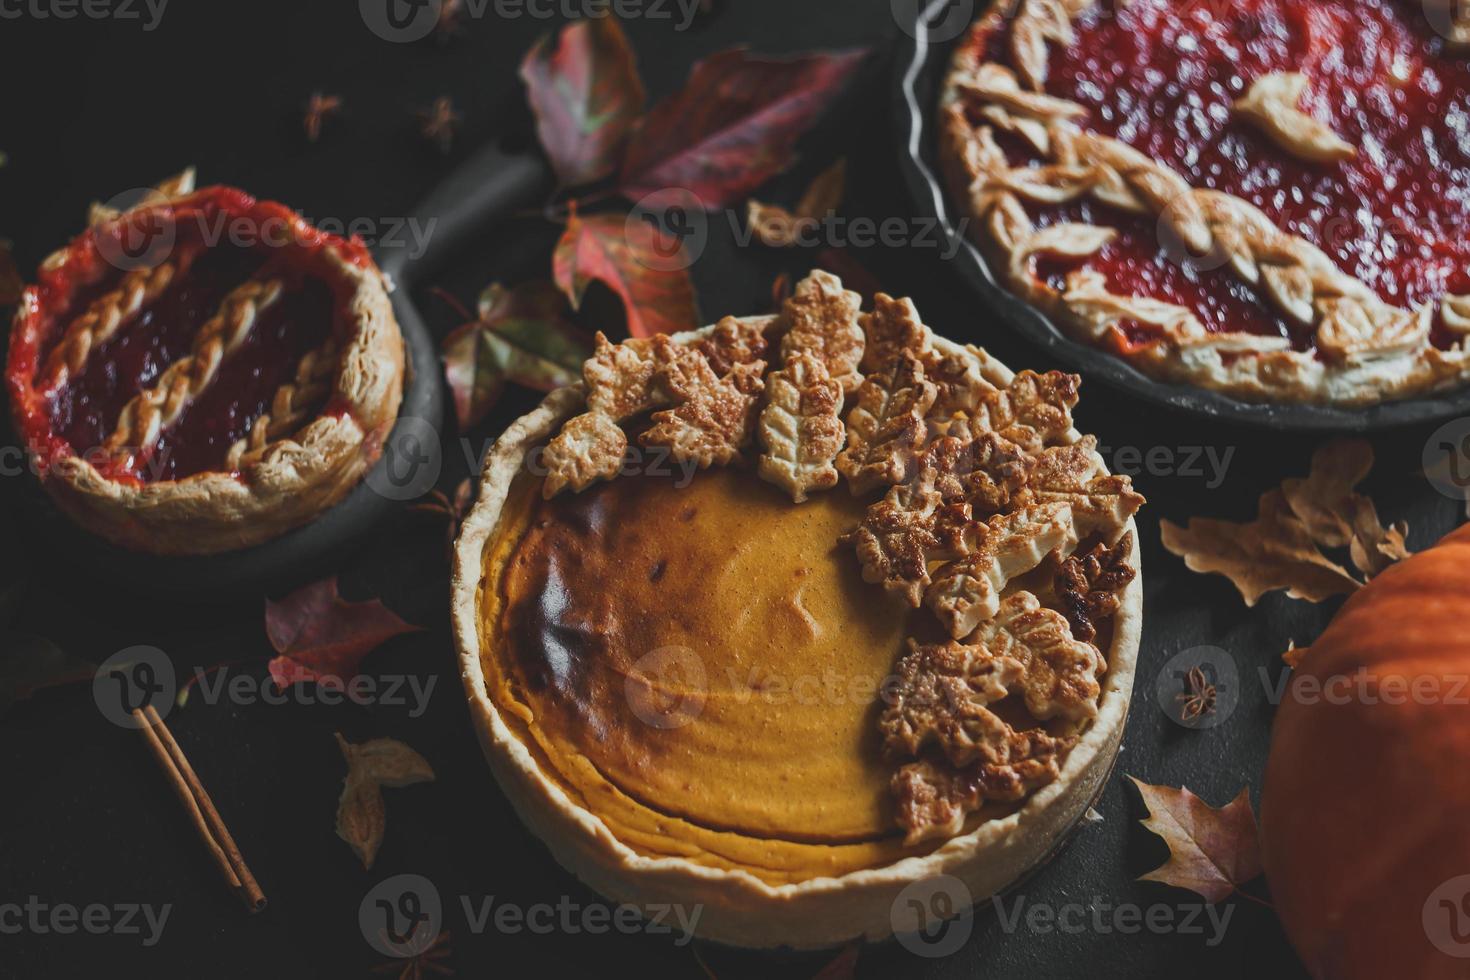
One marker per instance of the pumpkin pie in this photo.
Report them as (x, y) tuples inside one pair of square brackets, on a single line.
[(780, 616)]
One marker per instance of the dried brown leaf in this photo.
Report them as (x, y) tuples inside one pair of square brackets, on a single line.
[(1211, 852), (1275, 551), (362, 818)]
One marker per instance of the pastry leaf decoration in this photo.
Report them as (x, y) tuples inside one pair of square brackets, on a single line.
[(1283, 547), (523, 335), (1211, 851), (586, 95), (322, 638), (734, 125), (362, 818), (638, 262)]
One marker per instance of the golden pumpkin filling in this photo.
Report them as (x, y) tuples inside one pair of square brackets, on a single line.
[(700, 666)]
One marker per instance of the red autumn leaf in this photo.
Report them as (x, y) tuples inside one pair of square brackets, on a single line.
[(733, 126), (586, 95), (322, 637), (523, 335), (646, 267), (11, 283), (1212, 852)]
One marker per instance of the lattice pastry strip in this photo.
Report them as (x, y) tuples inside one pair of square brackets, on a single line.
[(106, 314), (144, 418), (291, 405)]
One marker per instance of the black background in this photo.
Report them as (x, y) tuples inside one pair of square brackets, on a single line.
[(91, 108)]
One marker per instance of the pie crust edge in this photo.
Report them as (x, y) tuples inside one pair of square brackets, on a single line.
[(738, 908)]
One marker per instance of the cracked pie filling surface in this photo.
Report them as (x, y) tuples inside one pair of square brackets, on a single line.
[(1262, 197), (793, 598)]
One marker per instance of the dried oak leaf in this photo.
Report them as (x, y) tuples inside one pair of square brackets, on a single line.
[(777, 227), (1336, 516), (361, 816), (734, 124), (1275, 551), (638, 262), (1211, 852), (523, 335), (587, 97), (323, 638)]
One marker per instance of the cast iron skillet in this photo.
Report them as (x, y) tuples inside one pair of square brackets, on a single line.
[(488, 186), (919, 68)]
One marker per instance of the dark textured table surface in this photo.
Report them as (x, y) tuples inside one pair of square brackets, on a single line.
[(93, 107)]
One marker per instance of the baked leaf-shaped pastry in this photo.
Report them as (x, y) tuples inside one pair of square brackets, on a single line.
[(801, 427), (1034, 411), (897, 539), (885, 429), (620, 377), (967, 592), (590, 447), (821, 319), (1059, 679), (714, 418), (933, 798), (1103, 506), (733, 341), (941, 698), (985, 472), (892, 328), (1087, 586)]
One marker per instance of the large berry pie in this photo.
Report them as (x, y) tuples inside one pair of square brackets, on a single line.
[(782, 616), (203, 371), (1270, 198)]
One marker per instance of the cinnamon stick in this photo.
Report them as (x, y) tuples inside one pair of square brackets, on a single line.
[(202, 813)]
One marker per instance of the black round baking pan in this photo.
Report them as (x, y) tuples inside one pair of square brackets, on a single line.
[(920, 62)]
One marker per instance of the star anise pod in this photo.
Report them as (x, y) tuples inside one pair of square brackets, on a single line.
[(1197, 698), (452, 508), (438, 123), (318, 107), (423, 963)]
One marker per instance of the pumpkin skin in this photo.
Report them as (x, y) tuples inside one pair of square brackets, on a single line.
[(1365, 807)]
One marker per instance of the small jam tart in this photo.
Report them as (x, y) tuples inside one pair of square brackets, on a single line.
[(705, 675), (1263, 197), (204, 371)]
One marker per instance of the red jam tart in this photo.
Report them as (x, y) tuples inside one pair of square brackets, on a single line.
[(1270, 198), (203, 371)]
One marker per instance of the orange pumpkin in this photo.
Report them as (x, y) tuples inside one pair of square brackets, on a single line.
[(1365, 817)]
